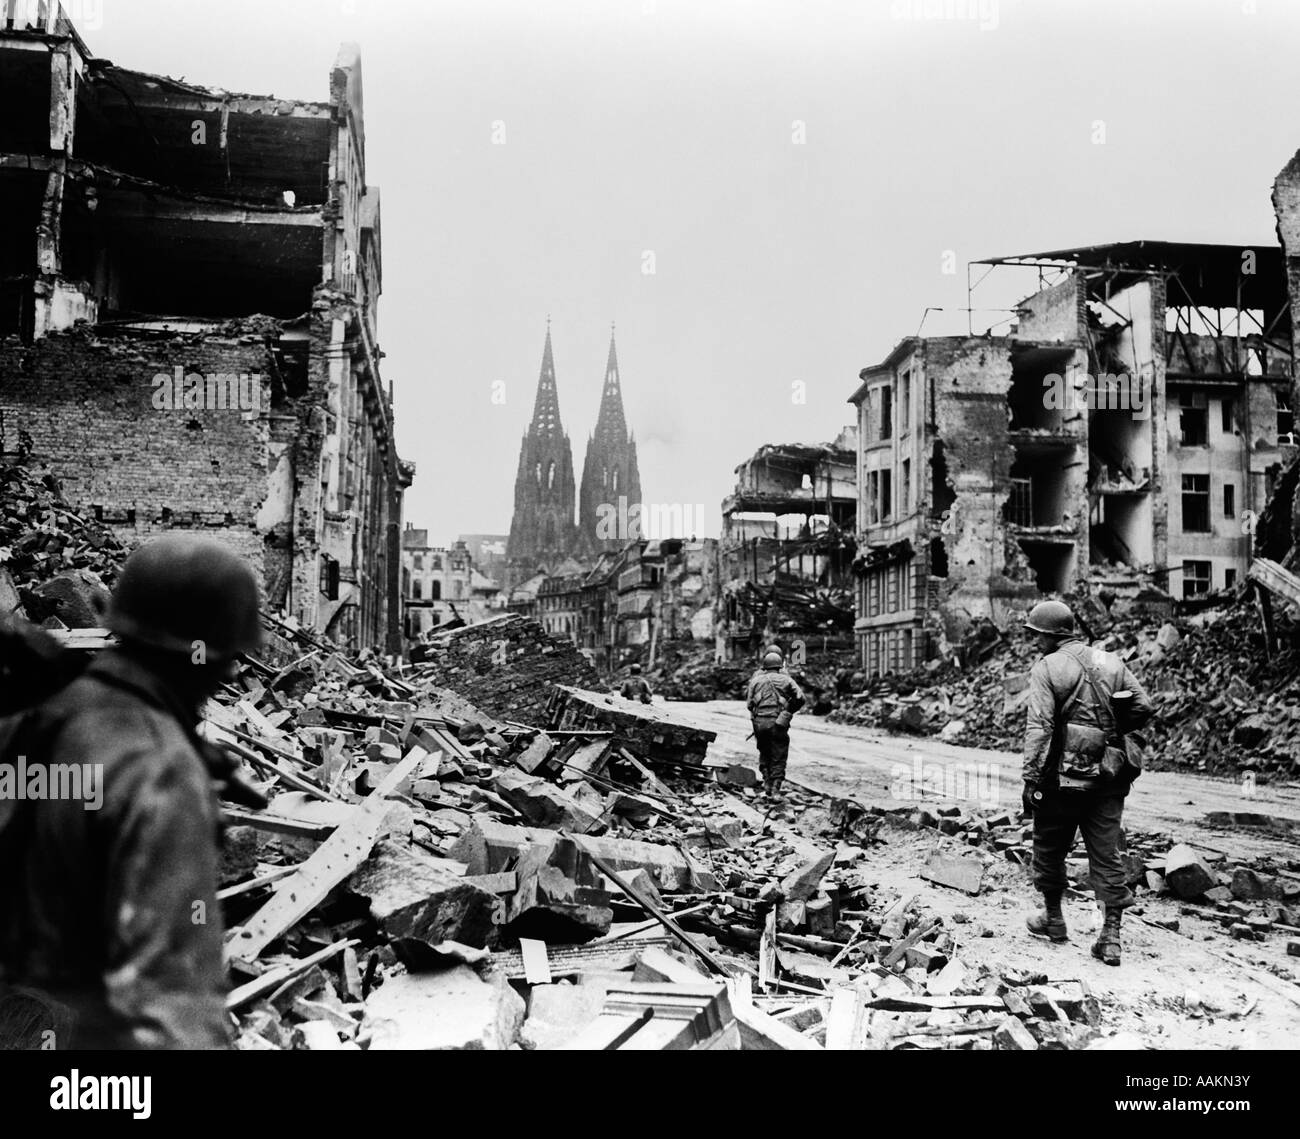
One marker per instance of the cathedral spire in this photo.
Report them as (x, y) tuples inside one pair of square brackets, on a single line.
[(546, 407), (610, 421), (609, 474)]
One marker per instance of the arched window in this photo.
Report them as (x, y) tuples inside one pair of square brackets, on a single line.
[(417, 589), (550, 475), (604, 476), (539, 474), (435, 591), (616, 482)]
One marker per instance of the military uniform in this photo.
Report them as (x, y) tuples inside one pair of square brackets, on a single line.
[(1068, 724), (636, 688), (772, 698), (113, 913)]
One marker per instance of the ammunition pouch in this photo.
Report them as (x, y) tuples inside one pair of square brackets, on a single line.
[(1083, 753)]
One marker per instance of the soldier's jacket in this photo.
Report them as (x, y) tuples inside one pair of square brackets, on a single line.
[(636, 688), (113, 912), (1058, 684), (770, 693)]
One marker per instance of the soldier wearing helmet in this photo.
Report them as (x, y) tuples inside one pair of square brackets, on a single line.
[(636, 687), (772, 698), (113, 911), (1075, 777)]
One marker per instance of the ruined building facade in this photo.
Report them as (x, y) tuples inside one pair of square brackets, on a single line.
[(189, 282), (1118, 443), (543, 534), (788, 533)]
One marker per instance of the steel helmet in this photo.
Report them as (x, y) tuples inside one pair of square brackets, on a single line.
[(1051, 617), (181, 590), (773, 658), (636, 670)]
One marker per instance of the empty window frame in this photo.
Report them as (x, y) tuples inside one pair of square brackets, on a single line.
[(1196, 504)]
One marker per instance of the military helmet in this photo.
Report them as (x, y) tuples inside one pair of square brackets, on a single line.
[(1052, 617), (773, 658), (636, 670), (181, 591)]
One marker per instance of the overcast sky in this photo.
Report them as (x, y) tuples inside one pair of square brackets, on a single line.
[(797, 168)]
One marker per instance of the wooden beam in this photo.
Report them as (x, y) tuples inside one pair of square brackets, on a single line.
[(337, 857), (253, 883), (272, 979)]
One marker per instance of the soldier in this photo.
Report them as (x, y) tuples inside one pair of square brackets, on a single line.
[(112, 912), (772, 698), (1074, 775), (636, 687)]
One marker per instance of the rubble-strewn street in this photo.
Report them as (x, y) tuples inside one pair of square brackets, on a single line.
[(1248, 842)]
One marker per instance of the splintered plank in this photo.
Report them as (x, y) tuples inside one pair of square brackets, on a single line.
[(336, 858)]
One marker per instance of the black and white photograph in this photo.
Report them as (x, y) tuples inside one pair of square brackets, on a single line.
[(649, 525)]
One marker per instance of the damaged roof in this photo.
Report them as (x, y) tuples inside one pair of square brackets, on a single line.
[(1209, 274)]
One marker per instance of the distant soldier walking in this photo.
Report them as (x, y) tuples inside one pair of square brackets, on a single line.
[(1076, 772), (636, 687), (772, 698)]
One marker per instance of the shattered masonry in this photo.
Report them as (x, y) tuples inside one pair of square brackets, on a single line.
[(978, 494), (153, 225)]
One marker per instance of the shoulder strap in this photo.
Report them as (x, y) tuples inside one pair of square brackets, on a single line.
[(1089, 674)]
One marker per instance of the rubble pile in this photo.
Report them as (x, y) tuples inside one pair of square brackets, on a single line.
[(802, 605), (1221, 704), (693, 673), (55, 566), (505, 666), (423, 880), (1247, 900)]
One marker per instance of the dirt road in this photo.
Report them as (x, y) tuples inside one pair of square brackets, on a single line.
[(1195, 988)]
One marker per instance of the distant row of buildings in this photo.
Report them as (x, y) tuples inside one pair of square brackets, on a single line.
[(1118, 442)]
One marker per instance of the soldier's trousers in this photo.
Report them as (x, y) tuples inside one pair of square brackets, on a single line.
[(1062, 815), (773, 749)]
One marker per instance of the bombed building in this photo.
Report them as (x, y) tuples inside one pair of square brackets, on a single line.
[(189, 281), (787, 542), (1118, 442)]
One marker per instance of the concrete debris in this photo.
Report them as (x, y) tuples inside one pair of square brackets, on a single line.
[(454, 1009), (416, 844)]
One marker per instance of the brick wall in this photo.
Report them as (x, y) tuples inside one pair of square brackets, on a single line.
[(87, 405)]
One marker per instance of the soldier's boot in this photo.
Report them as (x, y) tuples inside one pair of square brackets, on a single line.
[(1049, 922), (1106, 947), (774, 788)]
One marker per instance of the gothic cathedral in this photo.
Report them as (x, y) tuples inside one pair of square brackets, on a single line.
[(542, 531)]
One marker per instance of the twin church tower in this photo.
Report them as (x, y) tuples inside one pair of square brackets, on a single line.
[(542, 531)]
